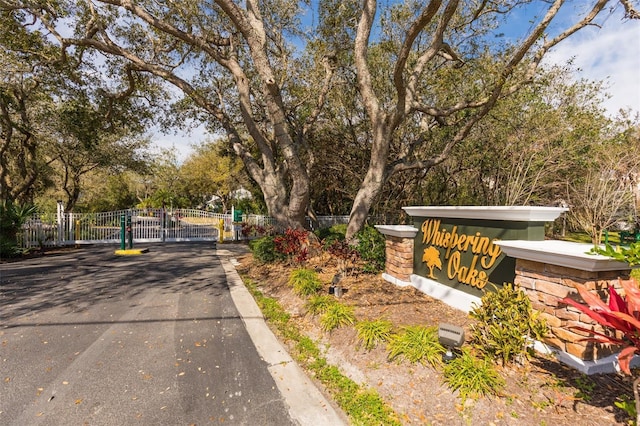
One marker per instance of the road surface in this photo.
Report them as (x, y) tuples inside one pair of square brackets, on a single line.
[(97, 339)]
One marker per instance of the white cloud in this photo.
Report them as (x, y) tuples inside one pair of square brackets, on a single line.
[(610, 53)]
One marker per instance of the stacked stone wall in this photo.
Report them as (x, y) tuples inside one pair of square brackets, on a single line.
[(547, 284), (399, 257)]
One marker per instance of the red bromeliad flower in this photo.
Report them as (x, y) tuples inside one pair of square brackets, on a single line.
[(621, 314)]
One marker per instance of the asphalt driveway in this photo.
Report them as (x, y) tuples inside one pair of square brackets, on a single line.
[(170, 337)]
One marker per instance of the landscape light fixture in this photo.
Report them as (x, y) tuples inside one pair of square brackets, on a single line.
[(336, 288), (451, 337)]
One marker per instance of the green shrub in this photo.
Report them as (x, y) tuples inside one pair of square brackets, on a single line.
[(472, 377), (12, 217), (329, 235), (305, 282), (371, 333), (628, 405), (371, 247), (417, 344), (506, 326), (366, 407), (319, 303), (337, 315), (264, 250), (630, 255)]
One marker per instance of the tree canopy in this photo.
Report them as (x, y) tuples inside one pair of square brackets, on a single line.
[(405, 83)]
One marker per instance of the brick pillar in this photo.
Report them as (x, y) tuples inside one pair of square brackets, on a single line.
[(546, 284), (399, 253)]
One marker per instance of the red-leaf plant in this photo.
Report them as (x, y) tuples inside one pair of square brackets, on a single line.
[(621, 314), (293, 244)]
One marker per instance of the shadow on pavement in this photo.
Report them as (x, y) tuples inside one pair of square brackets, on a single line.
[(93, 275)]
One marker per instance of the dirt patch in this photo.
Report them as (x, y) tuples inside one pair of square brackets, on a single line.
[(543, 392)]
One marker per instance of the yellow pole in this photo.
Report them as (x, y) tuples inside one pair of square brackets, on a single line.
[(221, 230)]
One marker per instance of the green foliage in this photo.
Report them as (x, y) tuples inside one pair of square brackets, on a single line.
[(367, 408), (371, 333), (417, 344), (621, 315), (364, 407), (472, 377), (273, 311), (12, 217), (305, 282), (371, 247), (264, 250), (105, 192), (318, 304), (307, 348), (585, 387), (630, 255), (506, 325), (627, 405), (333, 233), (337, 315)]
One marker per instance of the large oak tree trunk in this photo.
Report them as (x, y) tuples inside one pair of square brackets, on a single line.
[(287, 209), (373, 181)]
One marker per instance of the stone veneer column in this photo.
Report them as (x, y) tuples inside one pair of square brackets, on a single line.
[(547, 284), (547, 271), (399, 251)]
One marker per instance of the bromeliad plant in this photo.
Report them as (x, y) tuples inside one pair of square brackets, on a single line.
[(620, 316)]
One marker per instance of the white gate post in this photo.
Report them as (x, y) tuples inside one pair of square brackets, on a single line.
[(60, 220), (163, 224)]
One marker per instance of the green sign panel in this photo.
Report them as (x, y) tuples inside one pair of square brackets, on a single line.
[(462, 253)]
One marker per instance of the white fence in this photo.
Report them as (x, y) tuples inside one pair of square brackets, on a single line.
[(147, 225)]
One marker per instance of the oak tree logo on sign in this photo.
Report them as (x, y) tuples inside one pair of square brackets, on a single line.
[(431, 257), (484, 253)]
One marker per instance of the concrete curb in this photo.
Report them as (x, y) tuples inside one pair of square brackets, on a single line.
[(307, 405)]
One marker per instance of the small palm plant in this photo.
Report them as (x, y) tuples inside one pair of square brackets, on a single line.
[(305, 282), (337, 315), (416, 344), (371, 333), (12, 217)]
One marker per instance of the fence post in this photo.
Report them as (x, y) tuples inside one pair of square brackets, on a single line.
[(59, 221), (163, 225), (70, 235)]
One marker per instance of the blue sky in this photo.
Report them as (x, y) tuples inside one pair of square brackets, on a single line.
[(609, 52)]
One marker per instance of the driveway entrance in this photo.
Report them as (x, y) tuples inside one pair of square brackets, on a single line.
[(92, 338)]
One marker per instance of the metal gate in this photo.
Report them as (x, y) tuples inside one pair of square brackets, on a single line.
[(148, 225)]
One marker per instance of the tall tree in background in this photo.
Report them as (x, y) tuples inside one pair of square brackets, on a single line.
[(209, 173), (233, 61), (532, 143), (28, 76), (434, 43), (58, 122), (605, 195), (238, 63)]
